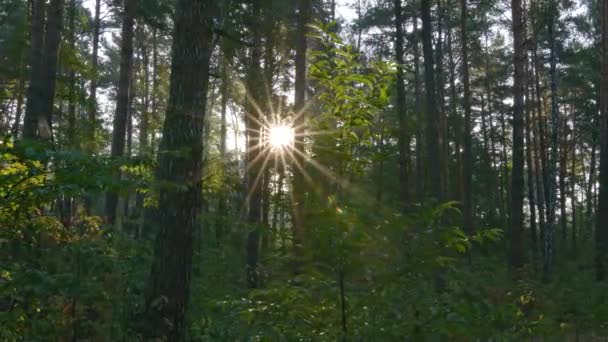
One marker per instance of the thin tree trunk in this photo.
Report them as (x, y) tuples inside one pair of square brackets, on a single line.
[(403, 136), (601, 235), (122, 104), (468, 145), (516, 246), (433, 119), (179, 206), (92, 104), (554, 151), (420, 175), (254, 148), (304, 13), (573, 181)]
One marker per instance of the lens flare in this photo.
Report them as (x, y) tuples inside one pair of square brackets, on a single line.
[(280, 136)]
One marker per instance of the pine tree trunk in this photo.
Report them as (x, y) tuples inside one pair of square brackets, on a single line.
[(254, 148), (601, 235), (92, 104), (180, 168), (43, 70), (468, 145), (551, 195), (304, 13), (516, 246), (122, 103), (420, 174), (403, 136), (433, 132)]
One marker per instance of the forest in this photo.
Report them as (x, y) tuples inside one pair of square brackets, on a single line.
[(303, 170)]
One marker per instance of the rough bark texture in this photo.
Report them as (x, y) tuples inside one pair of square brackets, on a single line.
[(122, 103), (420, 176), (34, 90), (602, 213), (468, 153), (92, 104), (403, 137), (180, 173), (43, 70), (433, 125), (304, 9), (550, 182), (254, 148), (516, 245)]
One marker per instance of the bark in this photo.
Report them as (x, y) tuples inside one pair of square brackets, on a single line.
[(220, 226), (92, 104), (433, 133), (122, 103), (562, 184), (304, 9), (458, 188), (33, 113), (601, 235), (403, 136), (71, 129), (254, 148), (20, 93), (180, 206), (530, 169), (573, 181), (43, 70), (516, 245), (551, 193), (468, 153), (420, 176)]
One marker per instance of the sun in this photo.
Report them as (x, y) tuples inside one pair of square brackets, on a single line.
[(280, 136)]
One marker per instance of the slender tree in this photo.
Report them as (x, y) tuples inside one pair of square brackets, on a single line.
[(516, 248), (601, 234), (122, 103), (254, 149), (304, 13), (179, 173), (433, 120), (403, 136), (468, 153)]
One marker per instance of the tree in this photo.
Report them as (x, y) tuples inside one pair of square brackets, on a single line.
[(43, 70), (121, 115), (92, 104), (254, 159), (179, 173), (304, 12), (601, 234), (403, 137), (468, 145), (433, 130), (516, 248)]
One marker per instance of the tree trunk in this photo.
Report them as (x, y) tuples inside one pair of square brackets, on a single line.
[(601, 235), (403, 136), (551, 195), (516, 246), (254, 148), (179, 206), (122, 103), (468, 145), (573, 181), (530, 169), (433, 120), (304, 13), (92, 104), (220, 226), (43, 72), (420, 175)]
